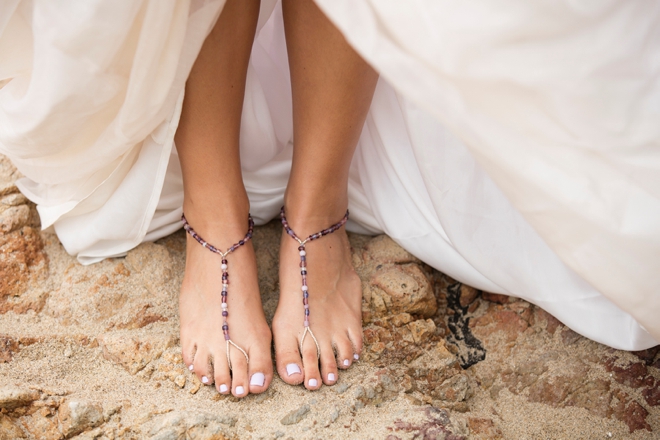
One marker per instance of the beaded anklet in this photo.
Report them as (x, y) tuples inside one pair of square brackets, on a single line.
[(225, 275), (303, 269)]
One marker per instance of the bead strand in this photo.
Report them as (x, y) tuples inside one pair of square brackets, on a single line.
[(303, 255), (224, 266)]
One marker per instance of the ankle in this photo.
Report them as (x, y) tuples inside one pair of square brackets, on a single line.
[(221, 224), (307, 216)]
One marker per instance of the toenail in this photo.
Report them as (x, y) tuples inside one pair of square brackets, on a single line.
[(240, 390), (258, 379), (223, 388), (347, 362), (191, 367), (331, 377), (205, 379), (292, 369), (312, 382), (356, 356)]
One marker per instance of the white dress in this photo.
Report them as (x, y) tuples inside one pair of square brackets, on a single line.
[(513, 145)]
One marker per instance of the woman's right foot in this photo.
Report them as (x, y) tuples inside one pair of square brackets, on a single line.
[(200, 307)]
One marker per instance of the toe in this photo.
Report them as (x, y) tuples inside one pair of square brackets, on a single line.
[(239, 372), (221, 372), (188, 355), (260, 370), (344, 351), (311, 365), (355, 336), (328, 364), (289, 364), (202, 366)]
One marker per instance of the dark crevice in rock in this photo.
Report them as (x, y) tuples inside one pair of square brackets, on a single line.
[(470, 349)]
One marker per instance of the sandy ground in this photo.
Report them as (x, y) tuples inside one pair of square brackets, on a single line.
[(93, 352)]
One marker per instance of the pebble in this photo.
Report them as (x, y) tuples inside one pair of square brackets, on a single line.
[(295, 416), (341, 388)]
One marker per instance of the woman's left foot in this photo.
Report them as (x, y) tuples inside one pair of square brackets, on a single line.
[(335, 298)]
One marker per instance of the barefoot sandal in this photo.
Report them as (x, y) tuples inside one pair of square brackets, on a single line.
[(303, 270), (225, 275)]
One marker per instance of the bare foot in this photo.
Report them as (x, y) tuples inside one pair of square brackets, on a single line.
[(335, 296), (200, 306)]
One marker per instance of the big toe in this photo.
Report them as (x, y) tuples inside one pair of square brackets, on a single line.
[(289, 363), (260, 370)]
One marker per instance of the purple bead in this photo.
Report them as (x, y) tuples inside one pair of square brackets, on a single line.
[(301, 248), (225, 313), (306, 295), (306, 312), (225, 327)]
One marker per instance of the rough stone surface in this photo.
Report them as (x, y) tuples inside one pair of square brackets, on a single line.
[(92, 352)]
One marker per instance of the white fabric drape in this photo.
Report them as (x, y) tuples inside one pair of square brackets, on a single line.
[(512, 145)]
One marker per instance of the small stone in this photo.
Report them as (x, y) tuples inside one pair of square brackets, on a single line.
[(68, 352), (180, 380), (278, 434), (295, 416), (400, 319), (77, 416), (468, 294), (421, 330), (13, 397), (341, 388)]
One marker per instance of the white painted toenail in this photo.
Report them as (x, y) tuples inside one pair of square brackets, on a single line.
[(356, 356), (205, 379), (258, 379), (191, 367), (312, 382), (223, 388), (240, 390), (347, 362), (331, 377), (292, 369)]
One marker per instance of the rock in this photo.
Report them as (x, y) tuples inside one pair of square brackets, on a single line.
[(468, 294), (12, 397), (134, 352), (652, 394), (180, 380), (421, 330), (594, 396), (400, 319), (630, 412), (483, 428), (341, 387), (77, 415), (406, 290), (21, 252), (295, 416), (453, 389), (569, 337), (633, 375), (502, 320), (15, 199), (9, 430), (8, 347), (13, 218), (176, 425)]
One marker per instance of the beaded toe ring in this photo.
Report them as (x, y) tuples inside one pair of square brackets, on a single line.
[(225, 275), (303, 269)]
